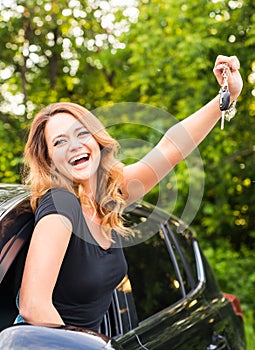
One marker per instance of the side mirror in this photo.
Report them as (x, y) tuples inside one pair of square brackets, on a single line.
[(29, 337)]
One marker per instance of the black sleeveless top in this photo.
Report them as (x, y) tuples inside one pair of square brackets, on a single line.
[(89, 273)]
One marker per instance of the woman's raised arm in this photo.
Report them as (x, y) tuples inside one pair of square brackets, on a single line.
[(181, 139)]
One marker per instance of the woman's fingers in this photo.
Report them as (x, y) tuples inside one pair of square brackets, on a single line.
[(232, 62)]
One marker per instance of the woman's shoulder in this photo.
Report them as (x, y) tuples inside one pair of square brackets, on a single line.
[(58, 201), (58, 194)]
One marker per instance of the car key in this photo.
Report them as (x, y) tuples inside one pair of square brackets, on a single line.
[(224, 103), (224, 95)]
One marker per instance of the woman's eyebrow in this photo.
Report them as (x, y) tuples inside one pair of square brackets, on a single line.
[(81, 128)]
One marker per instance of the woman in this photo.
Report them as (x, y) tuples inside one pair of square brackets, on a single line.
[(79, 191)]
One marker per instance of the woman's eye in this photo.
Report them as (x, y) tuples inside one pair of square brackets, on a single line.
[(59, 142), (83, 133)]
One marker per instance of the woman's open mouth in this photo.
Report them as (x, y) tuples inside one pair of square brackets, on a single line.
[(80, 160)]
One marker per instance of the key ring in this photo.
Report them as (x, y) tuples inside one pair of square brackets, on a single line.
[(225, 77), (228, 110)]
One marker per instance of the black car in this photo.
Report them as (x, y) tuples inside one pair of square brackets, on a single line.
[(169, 300)]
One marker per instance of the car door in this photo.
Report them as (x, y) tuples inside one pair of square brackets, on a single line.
[(168, 284)]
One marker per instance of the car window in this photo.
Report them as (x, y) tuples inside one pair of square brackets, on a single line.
[(15, 231), (155, 284), (12, 222)]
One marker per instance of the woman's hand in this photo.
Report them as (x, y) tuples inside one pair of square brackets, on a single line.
[(235, 82)]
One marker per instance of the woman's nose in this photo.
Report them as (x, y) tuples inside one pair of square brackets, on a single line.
[(75, 143)]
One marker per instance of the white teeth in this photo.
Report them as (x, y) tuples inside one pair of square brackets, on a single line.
[(74, 160)]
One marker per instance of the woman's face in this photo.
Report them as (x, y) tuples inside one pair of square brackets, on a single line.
[(72, 149)]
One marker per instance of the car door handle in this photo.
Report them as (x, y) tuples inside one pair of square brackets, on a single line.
[(219, 342)]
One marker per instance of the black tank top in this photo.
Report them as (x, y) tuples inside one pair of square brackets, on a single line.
[(89, 273)]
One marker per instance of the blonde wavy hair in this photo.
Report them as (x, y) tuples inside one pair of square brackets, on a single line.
[(42, 176)]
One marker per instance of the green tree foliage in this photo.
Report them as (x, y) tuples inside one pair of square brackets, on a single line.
[(98, 54), (50, 52)]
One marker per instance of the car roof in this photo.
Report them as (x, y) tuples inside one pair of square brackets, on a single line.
[(8, 191), (11, 194)]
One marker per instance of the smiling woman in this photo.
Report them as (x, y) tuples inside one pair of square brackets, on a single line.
[(75, 187), (78, 192)]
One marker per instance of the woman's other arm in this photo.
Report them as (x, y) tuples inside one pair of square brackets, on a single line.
[(45, 255)]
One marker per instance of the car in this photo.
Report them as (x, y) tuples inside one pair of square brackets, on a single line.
[(170, 298)]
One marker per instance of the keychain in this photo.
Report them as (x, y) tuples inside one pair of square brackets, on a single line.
[(224, 95), (228, 111)]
